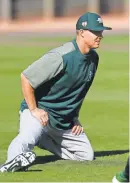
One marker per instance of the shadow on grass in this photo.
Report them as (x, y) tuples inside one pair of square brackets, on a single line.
[(41, 160), (53, 158), (46, 159), (109, 153), (34, 170)]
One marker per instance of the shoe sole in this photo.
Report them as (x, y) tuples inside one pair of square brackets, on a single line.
[(20, 162)]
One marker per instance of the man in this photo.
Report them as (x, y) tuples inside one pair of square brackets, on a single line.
[(122, 176), (54, 88)]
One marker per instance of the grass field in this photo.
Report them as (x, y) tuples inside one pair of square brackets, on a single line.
[(104, 113)]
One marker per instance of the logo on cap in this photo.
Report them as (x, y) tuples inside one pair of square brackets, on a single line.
[(84, 24), (99, 20)]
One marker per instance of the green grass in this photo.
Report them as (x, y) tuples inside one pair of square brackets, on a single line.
[(104, 115), (110, 39)]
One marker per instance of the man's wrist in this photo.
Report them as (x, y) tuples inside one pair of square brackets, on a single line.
[(33, 110)]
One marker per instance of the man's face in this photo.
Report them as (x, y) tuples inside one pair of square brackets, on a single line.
[(92, 38)]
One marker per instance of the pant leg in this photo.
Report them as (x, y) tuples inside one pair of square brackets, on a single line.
[(79, 146), (48, 141), (29, 134), (66, 145)]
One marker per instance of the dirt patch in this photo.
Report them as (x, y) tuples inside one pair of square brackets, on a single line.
[(60, 24)]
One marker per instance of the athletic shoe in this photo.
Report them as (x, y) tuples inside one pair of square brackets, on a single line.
[(119, 177), (20, 162)]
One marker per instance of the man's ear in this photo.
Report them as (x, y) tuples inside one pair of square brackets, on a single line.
[(82, 33)]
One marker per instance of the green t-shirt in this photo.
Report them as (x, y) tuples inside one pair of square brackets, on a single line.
[(61, 80)]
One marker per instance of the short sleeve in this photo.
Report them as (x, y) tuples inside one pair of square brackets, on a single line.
[(44, 69)]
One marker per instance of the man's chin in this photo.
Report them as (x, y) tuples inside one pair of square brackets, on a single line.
[(96, 46)]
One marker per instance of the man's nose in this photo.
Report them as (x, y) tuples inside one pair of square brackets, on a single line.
[(100, 36)]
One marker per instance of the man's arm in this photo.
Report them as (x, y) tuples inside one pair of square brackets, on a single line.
[(28, 93), (36, 74)]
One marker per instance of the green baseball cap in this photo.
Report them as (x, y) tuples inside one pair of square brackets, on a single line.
[(91, 21)]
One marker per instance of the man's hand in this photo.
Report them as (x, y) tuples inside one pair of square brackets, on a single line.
[(41, 115), (77, 129)]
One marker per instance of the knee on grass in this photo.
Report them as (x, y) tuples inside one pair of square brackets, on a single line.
[(85, 156)]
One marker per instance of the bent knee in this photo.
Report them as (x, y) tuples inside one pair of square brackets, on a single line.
[(90, 155), (85, 156)]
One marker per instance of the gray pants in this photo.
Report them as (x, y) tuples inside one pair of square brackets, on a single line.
[(60, 142)]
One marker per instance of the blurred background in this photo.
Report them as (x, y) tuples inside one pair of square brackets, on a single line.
[(43, 15), (29, 9), (30, 28)]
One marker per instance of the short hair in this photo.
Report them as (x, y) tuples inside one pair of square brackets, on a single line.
[(77, 32)]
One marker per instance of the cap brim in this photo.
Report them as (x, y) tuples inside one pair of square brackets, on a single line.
[(101, 28), (107, 28)]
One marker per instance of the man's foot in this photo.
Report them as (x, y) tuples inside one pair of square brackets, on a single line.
[(120, 177), (22, 161)]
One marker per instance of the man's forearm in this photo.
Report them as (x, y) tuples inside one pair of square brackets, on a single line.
[(28, 93)]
